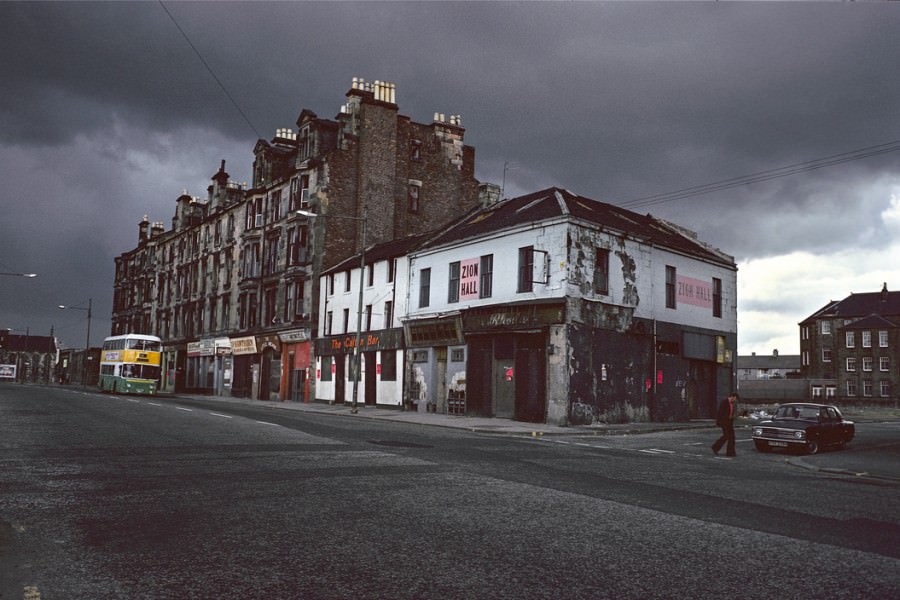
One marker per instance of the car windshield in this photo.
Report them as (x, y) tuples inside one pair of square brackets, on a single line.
[(797, 412)]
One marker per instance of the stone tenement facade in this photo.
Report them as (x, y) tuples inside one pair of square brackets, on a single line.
[(230, 288)]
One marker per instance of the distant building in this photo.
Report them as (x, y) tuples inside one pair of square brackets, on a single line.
[(763, 367), (231, 288), (27, 358), (850, 348), (773, 378)]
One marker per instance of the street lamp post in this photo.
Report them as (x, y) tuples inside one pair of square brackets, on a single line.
[(87, 343), (357, 356)]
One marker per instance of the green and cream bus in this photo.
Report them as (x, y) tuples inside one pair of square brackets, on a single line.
[(129, 364)]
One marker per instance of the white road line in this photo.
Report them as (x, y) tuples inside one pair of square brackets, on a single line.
[(656, 451), (220, 415), (132, 400), (154, 404), (185, 409), (267, 423)]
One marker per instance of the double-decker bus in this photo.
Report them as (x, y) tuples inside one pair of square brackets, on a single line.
[(129, 364)]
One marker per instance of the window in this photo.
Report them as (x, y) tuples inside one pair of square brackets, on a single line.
[(867, 388), (304, 147), (424, 287), (601, 271), (885, 386), (884, 363), (294, 195), (415, 150), (327, 364), (816, 392), (392, 265), (304, 191), (851, 387), (851, 364), (670, 287), (717, 297), (329, 323), (388, 314), (867, 363), (370, 275), (289, 292), (851, 339), (347, 275), (368, 312), (331, 284), (825, 327), (866, 339), (526, 269), (830, 391), (389, 365), (882, 339), (453, 285), (414, 197), (486, 276), (458, 355), (826, 354), (346, 328)]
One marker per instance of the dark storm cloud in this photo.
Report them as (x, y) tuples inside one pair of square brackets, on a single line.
[(110, 113)]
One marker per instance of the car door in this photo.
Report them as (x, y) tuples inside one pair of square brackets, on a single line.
[(827, 425)]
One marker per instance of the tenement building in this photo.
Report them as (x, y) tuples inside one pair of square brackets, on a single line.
[(850, 348), (231, 287)]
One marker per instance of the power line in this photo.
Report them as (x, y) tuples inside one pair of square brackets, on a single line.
[(209, 69), (766, 175)]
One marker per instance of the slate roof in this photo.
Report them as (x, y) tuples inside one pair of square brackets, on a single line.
[(770, 361), (552, 203), (558, 203), (884, 303), (27, 343), (381, 251)]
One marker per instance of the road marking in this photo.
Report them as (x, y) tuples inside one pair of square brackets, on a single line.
[(31, 592), (184, 409), (267, 423), (656, 451), (154, 404), (220, 415), (132, 400)]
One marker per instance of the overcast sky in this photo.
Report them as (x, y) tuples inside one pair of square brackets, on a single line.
[(108, 114)]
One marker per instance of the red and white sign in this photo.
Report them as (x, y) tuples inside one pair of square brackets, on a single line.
[(694, 291), (468, 278)]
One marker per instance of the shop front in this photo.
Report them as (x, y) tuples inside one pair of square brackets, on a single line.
[(507, 374), (246, 367), (380, 382), (295, 368)]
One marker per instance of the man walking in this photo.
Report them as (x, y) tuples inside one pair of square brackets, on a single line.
[(725, 419)]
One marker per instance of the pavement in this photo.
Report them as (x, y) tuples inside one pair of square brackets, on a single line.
[(492, 425)]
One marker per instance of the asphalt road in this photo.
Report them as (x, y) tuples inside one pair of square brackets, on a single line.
[(116, 497)]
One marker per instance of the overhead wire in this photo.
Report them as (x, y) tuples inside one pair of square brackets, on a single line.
[(209, 69), (766, 175)]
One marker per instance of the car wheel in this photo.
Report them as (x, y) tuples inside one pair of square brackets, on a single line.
[(761, 446), (812, 446)]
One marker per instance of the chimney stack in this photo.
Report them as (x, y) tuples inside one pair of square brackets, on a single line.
[(144, 230)]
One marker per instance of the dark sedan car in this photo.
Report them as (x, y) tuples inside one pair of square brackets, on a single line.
[(803, 426)]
